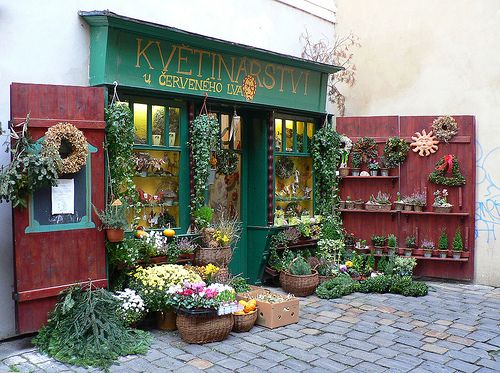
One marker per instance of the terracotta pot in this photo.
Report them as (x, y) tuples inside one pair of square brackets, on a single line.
[(408, 207), (344, 171), (418, 208), (341, 204), (418, 252), (115, 235), (165, 320), (465, 254), (399, 206), (349, 205), (442, 209), (186, 256), (271, 272), (359, 205)]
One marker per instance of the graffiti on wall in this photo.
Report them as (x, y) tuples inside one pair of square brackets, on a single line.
[(488, 193)]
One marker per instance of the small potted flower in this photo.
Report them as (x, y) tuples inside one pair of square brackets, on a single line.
[(443, 244), (411, 244), (428, 247), (392, 244), (186, 248), (113, 220), (356, 163), (373, 166), (349, 204), (343, 169), (441, 204), (419, 201), (458, 245), (349, 241), (383, 201), (384, 167), (408, 203), (378, 244), (398, 203), (132, 309)]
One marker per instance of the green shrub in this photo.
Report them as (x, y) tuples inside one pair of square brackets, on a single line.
[(416, 289), (399, 284), (378, 284), (203, 216), (443, 241), (392, 241), (458, 244), (378, 240), (299, 267), (403, 266), (337, 287)]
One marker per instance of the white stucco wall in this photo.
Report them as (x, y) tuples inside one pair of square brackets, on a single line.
[(435, 57), (46, 42)]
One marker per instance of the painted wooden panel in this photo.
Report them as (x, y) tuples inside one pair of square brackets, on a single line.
[(48, 262)]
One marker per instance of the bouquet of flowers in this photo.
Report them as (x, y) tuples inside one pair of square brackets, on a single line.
[(132, 307)]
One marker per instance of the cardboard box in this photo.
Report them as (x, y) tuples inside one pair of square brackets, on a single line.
[(273, 315)]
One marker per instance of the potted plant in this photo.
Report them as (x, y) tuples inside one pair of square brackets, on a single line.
[(378, 243), (349, 241), (158, 126), (384, 166), (349, 204), (441, 203), (341, 205), (359, 204), (371, 205), (204, 312), (299, 279), (141, 162), (156, 165), (458, 245), (113, 220), (408, 203), (356, 163), (383, 201), (373, 166), (428, 247), (419, 201), (443, 244), (411, 244), (398, 203), (392, 244), (326, 270), (186, 248), (361, 246), (343, 169)]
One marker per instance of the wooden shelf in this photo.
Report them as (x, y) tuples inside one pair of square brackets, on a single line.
[(370, 211), (425, 258), (435, 213), (371, 177), (300, 244), (292, 199), (152, 174)]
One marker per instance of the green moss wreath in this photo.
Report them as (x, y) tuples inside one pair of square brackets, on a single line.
[(395, 151), (447, 165)]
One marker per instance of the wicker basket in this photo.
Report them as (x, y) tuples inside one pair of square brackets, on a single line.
[(222, 275), (442, 209), (300, 286), (376, 207), (204, 327), (243, 323), (219, 256)]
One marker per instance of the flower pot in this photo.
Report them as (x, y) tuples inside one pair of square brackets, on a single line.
[(427, 253), (186, 256), (115, 235), (343, 171), (355, 171), (443, 254), (441, 209), (418, 252), (203, 327), (272, 272), (165, 320), (465, 254), (373, 172), (156, 140), (384, 172), (341, 204), (457, 255), (399, 206), (300, 286), (219, 256), (408, 251), (349, 205), (378, 250), (359, 205), (408, 207), (391, 251), (418, 208)]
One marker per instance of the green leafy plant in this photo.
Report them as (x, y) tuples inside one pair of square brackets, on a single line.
[(326, 153), (443, 241), (238, 283), (378, 241), (458, 244), (378, 284), (113, 216), (392, 241), (357, 160), (337, 287), (85, 328), (403, 266), (204, 139), (383, 198), (119, 149), (395, 151), (29, 169), (203, 216), (411, 241), (299, 267), (370, 264), (382, 264)]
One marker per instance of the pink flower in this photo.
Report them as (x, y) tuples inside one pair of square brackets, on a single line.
[(343, 268)]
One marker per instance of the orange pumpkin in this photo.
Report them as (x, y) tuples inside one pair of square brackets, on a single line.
[(169, 232)]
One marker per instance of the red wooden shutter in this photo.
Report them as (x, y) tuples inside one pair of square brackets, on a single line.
[(48, 262)]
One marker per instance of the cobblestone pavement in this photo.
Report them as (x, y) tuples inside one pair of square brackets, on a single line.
[(456, 328)]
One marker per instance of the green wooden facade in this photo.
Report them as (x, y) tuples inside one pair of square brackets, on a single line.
[(165, 63)]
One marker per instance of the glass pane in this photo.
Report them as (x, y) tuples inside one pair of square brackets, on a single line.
[(278, 135), (157, 185), (225, 131), (310, 132), (289, 135), (225, 192), (174, 117), (300, 137), (236, 132), (294, 183), (141, 123), (158, 121)]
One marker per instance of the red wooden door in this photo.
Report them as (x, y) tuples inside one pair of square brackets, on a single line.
[(47, 262)]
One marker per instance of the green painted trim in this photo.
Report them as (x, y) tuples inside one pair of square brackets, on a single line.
[(86, 222)]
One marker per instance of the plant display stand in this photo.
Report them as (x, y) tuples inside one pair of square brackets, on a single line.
[(412, 175)]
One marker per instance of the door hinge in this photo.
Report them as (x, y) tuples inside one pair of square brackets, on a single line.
[(15, 296)]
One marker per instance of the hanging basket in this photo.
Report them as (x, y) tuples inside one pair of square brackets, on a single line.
[(243, 323), (203, 326), (222, 275), (219, 256), (300, 286), (115, 235)]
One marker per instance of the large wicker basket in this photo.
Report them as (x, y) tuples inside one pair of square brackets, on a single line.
[(204, 327), (300, 286), (219, 256), (243, 323)]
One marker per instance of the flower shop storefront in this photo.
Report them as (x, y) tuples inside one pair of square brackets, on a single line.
[(266, 108)]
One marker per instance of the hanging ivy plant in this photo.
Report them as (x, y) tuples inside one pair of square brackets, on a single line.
[(204, 140), (448, 165), (326, 153), (395, 151), (227, 161), (284, 167), (119, 148), (367, 148)]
